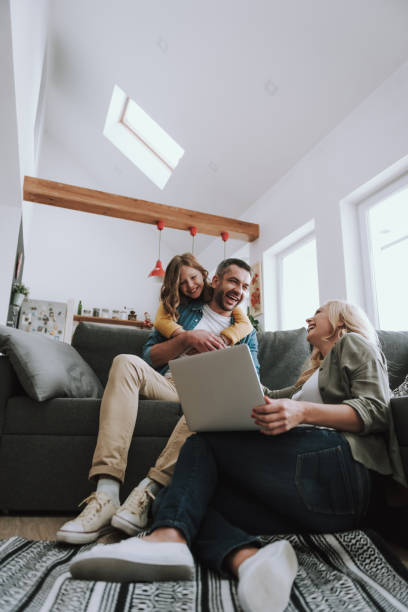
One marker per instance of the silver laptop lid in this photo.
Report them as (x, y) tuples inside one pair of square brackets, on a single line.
[(218, 389)]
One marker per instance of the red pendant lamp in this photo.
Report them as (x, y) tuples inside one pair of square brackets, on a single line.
[(158, 271), (225, 236), (193, 232)]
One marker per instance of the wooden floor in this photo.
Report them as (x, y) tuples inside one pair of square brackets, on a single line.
[(45, 528), (31, 527)]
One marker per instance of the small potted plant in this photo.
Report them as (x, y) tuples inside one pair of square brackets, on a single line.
[(254, 322), (19, 292)]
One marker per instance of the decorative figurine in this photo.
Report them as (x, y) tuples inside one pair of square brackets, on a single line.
[(147, 321), (132, 316)]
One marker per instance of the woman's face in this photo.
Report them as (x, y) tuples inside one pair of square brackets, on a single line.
[(191, 282), (318, 326)]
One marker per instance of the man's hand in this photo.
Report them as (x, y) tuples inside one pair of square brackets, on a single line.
[(278, 415), (202, 341)]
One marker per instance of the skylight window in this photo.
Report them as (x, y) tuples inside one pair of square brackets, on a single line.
[(141, 139)]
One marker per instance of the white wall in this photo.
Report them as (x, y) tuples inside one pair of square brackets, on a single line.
[(29, 24), (29, 27), (372, 138), (10, 199), (102, 261)]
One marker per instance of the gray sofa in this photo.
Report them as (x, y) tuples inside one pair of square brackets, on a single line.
[(46, 447)]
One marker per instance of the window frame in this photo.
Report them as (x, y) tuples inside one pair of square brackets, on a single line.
[(133, 142), (280, 255), (366, 246)]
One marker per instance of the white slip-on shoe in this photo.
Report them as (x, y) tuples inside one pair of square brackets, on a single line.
[(266, 578), (93, 521), (134, 560), (133, 515)]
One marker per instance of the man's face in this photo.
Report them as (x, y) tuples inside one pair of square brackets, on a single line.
[(231, 288)]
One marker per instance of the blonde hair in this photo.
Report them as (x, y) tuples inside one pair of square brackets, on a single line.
[(353, 319), (170, 291)]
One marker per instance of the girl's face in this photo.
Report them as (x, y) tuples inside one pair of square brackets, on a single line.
[(191, 282), (318, 326)]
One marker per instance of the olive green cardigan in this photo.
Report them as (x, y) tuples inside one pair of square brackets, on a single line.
[(354, 372)]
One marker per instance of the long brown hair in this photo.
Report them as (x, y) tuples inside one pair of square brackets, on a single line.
[(170, 294), (353, 319)]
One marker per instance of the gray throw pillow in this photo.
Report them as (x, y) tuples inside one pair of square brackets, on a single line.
[(47, 368), (402, 390)]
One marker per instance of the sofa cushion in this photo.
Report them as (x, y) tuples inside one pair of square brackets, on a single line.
[(47, 368), (282, 355), (402, 389), (99, 343), (80, 417), (395, 347)]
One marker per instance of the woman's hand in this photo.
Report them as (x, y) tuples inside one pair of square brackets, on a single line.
[(278, 415)]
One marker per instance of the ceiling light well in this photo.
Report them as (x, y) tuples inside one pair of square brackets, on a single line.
[(141, 139)]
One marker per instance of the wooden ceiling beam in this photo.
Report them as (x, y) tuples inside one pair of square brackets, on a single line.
[(101, 203)]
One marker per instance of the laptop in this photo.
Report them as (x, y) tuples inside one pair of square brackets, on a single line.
[(218, 389)]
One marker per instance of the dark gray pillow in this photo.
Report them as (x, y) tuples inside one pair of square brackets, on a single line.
[(402, 390), (48, 368)]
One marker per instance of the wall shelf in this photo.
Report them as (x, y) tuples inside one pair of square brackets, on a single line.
[(87, 319)]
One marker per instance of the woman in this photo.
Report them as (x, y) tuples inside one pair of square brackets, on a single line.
[(308, 470)]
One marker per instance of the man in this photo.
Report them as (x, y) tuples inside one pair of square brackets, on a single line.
[(131, 375)]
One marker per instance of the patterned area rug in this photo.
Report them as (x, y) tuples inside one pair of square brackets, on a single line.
[(348, 571)]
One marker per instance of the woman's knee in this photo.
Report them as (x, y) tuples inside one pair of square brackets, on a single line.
[(195, 445), (194, 441)]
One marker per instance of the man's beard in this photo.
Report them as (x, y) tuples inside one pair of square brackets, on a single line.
[(219, 298)]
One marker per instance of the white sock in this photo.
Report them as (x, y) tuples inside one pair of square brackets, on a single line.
[(266, 578), (111, 487), (152, 485)]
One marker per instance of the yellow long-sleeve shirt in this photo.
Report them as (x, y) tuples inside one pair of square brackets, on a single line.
[(166, 325)]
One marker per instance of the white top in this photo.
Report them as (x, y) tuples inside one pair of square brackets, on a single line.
[(310, 390), (210, 321)]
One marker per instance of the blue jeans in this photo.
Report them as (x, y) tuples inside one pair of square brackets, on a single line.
[(229, 487)]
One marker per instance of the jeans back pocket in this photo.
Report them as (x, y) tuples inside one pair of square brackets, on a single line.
[(323, 481)]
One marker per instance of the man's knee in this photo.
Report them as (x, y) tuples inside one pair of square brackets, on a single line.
[(125, 365)]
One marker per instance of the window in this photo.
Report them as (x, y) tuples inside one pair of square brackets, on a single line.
[(298, 286), (141, 139), (384, 229)]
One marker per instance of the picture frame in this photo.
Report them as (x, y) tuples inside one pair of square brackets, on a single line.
[(47, 318), (19, 263), (255, 291)]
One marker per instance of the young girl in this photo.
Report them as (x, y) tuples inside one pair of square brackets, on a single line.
[(186, 280)]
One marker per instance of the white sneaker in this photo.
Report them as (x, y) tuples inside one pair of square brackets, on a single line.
[(134, 560), (93, 521), (266, 578), (133, 515)]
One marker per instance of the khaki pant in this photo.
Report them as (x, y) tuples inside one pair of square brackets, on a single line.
[(130, 376)]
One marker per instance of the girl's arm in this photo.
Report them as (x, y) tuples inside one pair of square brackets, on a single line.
[(165, 324), (240, 328)]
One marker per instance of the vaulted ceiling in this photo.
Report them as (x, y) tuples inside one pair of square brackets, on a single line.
[(246, 87)]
